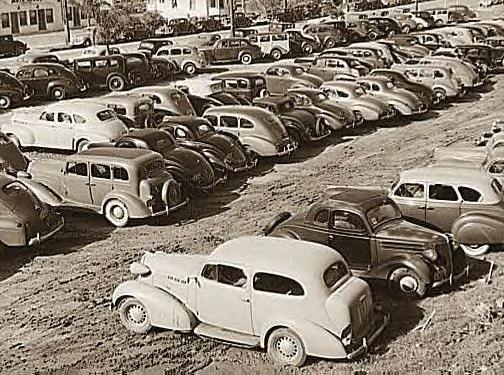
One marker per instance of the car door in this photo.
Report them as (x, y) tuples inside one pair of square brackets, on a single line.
[(223, 297), (274, 81), (101, 70), (442, 206), (39, 80), (84, 70), (100, 182), (64, 130), (411, 199), (45, 130), (77, 187), (222, 50), (349, 236)]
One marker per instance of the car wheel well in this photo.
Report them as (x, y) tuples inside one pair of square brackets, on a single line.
[(269, 332)]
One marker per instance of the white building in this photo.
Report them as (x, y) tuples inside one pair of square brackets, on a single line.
[(171, 9)]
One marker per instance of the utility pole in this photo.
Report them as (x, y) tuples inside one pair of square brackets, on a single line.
[(232, 15), (66, 22), (416, 6)]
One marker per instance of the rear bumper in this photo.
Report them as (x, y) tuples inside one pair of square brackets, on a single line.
[(39, 238), (375, 330), (168, 210)]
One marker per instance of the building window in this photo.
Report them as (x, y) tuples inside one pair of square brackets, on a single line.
[(33, 17), (23, 20), (49, 15), (213, 3), (70, 13), (191, 4), (174, 4), (5, 21)]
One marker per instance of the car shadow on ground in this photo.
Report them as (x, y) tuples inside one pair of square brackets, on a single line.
[(471, 96), (396, 122), (79, 231)]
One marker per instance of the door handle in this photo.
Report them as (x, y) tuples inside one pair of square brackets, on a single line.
[(90, 184), (245, 299), (430, 208), (421, 207)]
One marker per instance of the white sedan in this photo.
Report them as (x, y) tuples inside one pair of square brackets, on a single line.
[(68, 125)]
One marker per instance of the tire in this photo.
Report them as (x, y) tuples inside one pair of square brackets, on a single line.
[(273, 223), (82, 145), (440, 94), (246, 59), (116, 83), (394, 111), (276, 54), (116, 212), (134, 315), (263, 93), (330, 43), (296, 140), (372, 35), (438, 23), (190, 68), (286, 347), (87, 43), (475, 250), (5, 102), (406, 29), (391, 33), (58, 93), (308, 49), (406, 282)]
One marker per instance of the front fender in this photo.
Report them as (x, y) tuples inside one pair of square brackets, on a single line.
[(416, 264), (164, 310), (318, 341), (404, 109), (479, 228), (136, 207)]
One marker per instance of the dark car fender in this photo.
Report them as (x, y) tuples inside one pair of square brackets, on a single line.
[(477, 228), (414, 263), (275, 222), (62, 83), (293, 124)]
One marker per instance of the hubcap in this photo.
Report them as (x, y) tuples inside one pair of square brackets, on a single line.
[(287, 347), (3, 102), (136, 314), (117, 212), (408, 284)]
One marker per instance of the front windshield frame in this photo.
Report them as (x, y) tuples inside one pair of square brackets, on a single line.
[(374, 221)]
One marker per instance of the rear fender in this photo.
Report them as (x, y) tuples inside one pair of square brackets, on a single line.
[(317, 341), (260, 146), (136, 207), (23, 133), (42, 192), (164, 310), (478, 228), (58, 83)]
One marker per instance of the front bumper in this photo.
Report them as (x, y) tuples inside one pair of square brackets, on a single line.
[(39, 238), (288, 149), (452, 278), (376, 328)]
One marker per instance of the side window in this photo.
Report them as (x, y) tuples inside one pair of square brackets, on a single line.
[(322, 217), (40, 73), (83, 65), (186, 51), (246, 124), (342, 94), (410, 191), (438, 74), (264, 38), (442, 193), (47, 116), (101, 63), (79, 119), (163, 53), (78, 169), (114, 63), (64, 117), (253, 38), (497, 167), (225, 275), (120, 174), (375, 87), (344, 220), (213, 120), (23, 73), (269, 283), (181, 133), (100, 171), (468, 194), (228, 122)]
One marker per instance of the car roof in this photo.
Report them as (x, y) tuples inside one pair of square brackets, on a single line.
[(342, 84), (116, 153), (176, 46), (452, 175), (357, 197), (276, 99), (299, 259), (44, 64), (155, 89), (247, 74), (238, 109), (378, 79), (77, 105)]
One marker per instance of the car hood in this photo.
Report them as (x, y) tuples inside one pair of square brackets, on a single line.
[(311, 78), (336, 110), (14, 159), (404, 231), (300, 114)]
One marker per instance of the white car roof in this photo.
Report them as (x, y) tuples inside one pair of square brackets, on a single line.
[(76, 106)]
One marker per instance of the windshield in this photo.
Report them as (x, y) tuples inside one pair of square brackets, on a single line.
[(335, 273), (383, 213), (204, 129), (146, 45), (105, 115)]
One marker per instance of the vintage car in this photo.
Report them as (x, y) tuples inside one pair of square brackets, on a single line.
[(308, 43), (168, 101), (100, 50), (388, 26), (201, 103), (328, 35), (210, 24), (69, 125), (10, 47), (205, 40), (224, 152), (188, 59), (26, 221), (485, 57), (367, 229), (12, 91), (336, 116), (432, 41), (464, 11), (282, 76), (352, 95), (361, 30), (465, 201), (403, 102), (121, 184), (181, 26), (406, 22), (425, 90), (33, 57), (273, 44), (152, 45), (241, 20), (497, 44), (49, 80), (444, 84), (407, 43), (247, 85), (303, 125), (309, 305), (189, 168), (133, 109), (368, 55), (11, 158), (112, 72), (381, 49), (260, 132), (327, 67), (232, 50)]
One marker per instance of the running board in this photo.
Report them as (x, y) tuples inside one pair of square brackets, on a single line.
[(226, 335)]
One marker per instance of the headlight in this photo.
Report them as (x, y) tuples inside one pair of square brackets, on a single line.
[(346, 335), (430, 254)]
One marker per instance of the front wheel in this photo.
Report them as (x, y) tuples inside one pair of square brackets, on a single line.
[(82, 145), (406, 29), (190, 69), (407, 283), (276, 54), (308, 49), (330, 43), (475, 250), (58, 93), (5, 102), (116, 83), (134, 315), (286, 347), (117, 213), (246, 59), (440, 95)]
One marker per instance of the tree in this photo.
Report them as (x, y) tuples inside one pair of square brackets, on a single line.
[(153, 20), (111, 23)]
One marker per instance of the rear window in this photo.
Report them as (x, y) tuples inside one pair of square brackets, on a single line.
[(105, 115), (336, 272)]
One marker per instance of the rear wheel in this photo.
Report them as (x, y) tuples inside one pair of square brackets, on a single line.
[(475, 250), (116, 83), (58, 93), (117, 213), (190, 68), (308, 49), (286, 347), (440, 94), (246, 59), (330, 43), (372, 35), (406, 29), (82, 145), (276, 54), (134, 315), (406, 282), (5, 102)]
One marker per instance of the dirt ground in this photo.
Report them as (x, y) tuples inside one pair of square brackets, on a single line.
[(54, 299)]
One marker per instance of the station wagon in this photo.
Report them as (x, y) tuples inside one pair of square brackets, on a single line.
[(188, 59), (245, 293), (274, 45)]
